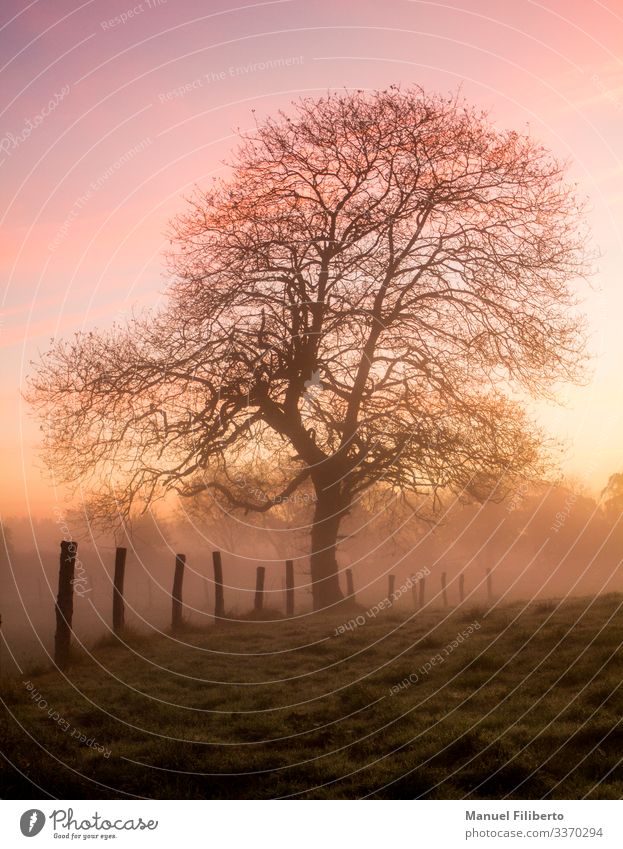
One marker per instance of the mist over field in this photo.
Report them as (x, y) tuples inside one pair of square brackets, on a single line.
[(552, 543)]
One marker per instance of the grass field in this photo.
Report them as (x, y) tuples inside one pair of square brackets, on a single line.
[(527, 705)]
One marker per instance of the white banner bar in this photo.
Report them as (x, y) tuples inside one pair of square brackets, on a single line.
[(315, 825)]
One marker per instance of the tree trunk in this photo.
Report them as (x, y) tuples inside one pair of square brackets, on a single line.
[(324, 569)]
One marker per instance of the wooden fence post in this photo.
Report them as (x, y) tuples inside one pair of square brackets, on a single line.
[(259, 589), (176, 595), (422, 590), (118, 609), (65, 604), (444, 591), (462, 588), (206, 593), (350, 586), (219, 601), (489, 585), (289, 588), (391, 582)]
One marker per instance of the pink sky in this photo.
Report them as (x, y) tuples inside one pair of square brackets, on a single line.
[(83, 220)]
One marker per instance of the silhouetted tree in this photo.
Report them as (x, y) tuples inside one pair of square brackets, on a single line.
[(365, 298), (612, 496)]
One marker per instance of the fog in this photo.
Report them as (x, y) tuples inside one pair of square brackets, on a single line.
[(546, 542)]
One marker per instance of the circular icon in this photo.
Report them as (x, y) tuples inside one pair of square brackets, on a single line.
[(31, 822)]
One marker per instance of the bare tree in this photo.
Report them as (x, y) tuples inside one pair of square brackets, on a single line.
[(370, 296)]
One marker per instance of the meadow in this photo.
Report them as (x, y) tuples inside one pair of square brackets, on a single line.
[(510, 701)]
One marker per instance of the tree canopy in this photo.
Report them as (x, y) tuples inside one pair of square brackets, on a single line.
[(368, 298)]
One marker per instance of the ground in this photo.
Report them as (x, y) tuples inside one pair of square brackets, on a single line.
[(517, 701)]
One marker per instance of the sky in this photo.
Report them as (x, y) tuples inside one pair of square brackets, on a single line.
[(112, 111)]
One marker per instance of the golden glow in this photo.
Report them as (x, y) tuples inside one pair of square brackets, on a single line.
[(144, 107)]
